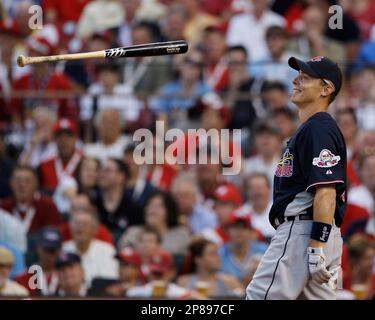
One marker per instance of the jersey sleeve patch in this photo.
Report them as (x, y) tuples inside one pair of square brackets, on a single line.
[(326, 159)]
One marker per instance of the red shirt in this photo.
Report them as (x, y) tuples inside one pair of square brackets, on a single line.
[(48, 171), (162, 176), (353, 213), (66, 10), (66, 107), (46, 213), (103, 233)]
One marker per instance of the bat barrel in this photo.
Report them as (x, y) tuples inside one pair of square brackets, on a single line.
[(150, 49)]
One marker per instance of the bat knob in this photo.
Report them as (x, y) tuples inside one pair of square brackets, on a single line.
[(21, 60)]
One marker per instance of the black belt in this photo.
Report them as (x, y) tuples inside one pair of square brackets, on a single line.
[(281, 220)]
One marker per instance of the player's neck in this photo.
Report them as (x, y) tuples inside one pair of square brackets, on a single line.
[(308, 111)]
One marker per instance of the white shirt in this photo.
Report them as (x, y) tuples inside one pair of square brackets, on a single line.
[(361, 197), (260, 220), (145, 291), (257, 164), (121, 99), (98, 260), (12, 288), (245, 30), (102, 152), (12, 231)]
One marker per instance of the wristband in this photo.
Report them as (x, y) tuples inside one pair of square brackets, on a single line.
[(320, 231)]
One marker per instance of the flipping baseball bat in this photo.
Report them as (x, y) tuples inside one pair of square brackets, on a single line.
[(143, 50)]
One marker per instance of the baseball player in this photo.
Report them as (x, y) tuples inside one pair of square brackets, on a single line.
[(303, 260)]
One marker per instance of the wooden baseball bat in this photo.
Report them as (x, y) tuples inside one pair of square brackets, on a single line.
[(143, 50)]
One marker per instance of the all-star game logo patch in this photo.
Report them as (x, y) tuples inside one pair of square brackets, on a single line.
[(285, 165), (326, 159)]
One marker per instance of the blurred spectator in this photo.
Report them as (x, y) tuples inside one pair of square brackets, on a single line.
[(256, 23), (41, 79), (71, 276), (48, 248), (145, 75), (313, 41), (227, 199), (57, 174), (198, 20), (239, 250), (6, 168), (363, 195), (250, 268), (32, 209), (216, 67), (175, 21), (97, 256), (131, 10), (206, 264), (267, 145), (12, 232), (129, 277), (137, 186), (63, 12), (274, 66), (220, 9), (366, 104), (7, 286), (115, 209), (360, 278), (111, 142), (285, 120), (363, 12), (81, 201), (348, 124), (176, 97), (186, 193), (19, 265), (275, 96), (161, 213), (241, 89), (99, 15), (160, 283), (87, 177), (109, 92), (41, 146), (258, 192)]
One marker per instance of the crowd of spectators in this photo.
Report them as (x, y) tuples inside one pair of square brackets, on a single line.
[(79, 217)]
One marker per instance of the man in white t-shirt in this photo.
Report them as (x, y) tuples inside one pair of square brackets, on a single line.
[(97, 257), (111, 143), (258, 191), (248, 29)]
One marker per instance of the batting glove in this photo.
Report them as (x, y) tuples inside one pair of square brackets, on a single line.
[(317, 265)]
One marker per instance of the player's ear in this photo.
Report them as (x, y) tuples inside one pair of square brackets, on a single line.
[(326, 91)]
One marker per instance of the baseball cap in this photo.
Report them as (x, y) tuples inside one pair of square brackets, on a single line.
[(228, 193), (243, 220), (65, 125), (50, 238), (66, 259), (319, 67), (6, 257), (160, 262), (130, 256)]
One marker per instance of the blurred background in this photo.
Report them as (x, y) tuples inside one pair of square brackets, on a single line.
[(89, 221)]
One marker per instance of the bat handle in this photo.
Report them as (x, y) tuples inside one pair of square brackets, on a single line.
[(21, 60)]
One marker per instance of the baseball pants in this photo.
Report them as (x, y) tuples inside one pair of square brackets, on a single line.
[(283, 272)]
